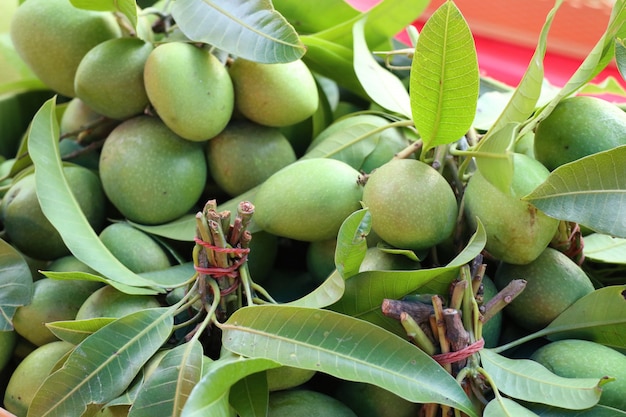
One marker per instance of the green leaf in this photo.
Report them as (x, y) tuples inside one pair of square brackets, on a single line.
[(210, 395), (596, 411), (75, 331), (620, 56), (61, 208), (127, 7), (344, 347), (183, 228), (174, 276), (168, 388), (16, 284), (444, 80), (610, 85), (329, 292), (530, 381), (504, 407), (351, 243), (103, 365), (383, 87), (250, 29), (589, 191), (310, 17), (494, 157), (249, 396), (86, 276), (605, 248)]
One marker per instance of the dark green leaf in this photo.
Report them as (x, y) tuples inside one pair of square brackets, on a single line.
[(61, 208), (589, 191), (444, 80), (249, 396), (529, 381), (103, 365), (250, 29), (596, 411), (620, 56), (351, 243), (16, 284), (165, 392), (344, 347), (210, 395)]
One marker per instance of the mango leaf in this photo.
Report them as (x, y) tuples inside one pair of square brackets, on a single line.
[(250, 29), (183, 228), (504, 407), (351, 243), (383, 87), (494, 158), (589, 191), (103, 365), (75, 331), (310, 17), (610, 85), (249, 396), (620, 56), (174, 276), (444, 80), (86, 276), (597, 411), (61, 208), (127, 7), (210, 396), (16, 284), (366, 291), (530, 381), (344, 347), (329, 292), (605, 248), (165, 392)]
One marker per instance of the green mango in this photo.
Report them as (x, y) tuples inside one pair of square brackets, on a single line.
[(574, 358), (306, 403), (8, 341), (109, 302), (517, 232), (411, 204), (245, 154), (149, 173), (553, 283), (308, 200), (134, 248), (117, 64), (493, 328), (52, 37), (274, 94), (368, 400), (190, 90)]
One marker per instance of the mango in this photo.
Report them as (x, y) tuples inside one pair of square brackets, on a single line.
[(306, 403), (517, 232), (411, 204), (308, 200), (245, 154), (110, 302), (368, 400), (274, 94), (52, 37), (553, 283), (190, 90), (575, 358), (117, 64), (149, 173)]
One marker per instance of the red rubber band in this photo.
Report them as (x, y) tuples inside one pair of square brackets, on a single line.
[(218, 272), (236, 251), (459, 355)]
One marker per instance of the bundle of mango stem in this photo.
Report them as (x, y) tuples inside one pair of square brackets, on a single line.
[(452, 334), (220, 259)]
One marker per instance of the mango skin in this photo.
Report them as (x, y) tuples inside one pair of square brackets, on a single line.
[(109, 78), (577, 127), (109, 302), (274, 94), (150, 174), (306, 403), (517, 232), (308, 200), (553, 283), (576, 358), (412, 205), (52, 36), (190, 90)]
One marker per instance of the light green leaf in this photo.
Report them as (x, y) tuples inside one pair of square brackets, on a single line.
[(494, 158), (210, 395), (590, 191), (60, 206), (444, 80), (383, 87), (103, 365), (16, 284), (250, 29), (171, 277), (605, 248), (596, 411), (344, 347), (504, 407), (127, 7), (530, 381), (329, 292), (183, 228), (75, 331), (168, 388), (310, 17), (249, 396), (351, 243), (610, 85), (86, 276)]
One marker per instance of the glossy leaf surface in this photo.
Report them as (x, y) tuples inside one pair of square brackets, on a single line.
[(604, 248), (16, 284), (127, 7), (504, 407)]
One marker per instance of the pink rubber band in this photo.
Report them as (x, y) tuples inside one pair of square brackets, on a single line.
[(459, 355)]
